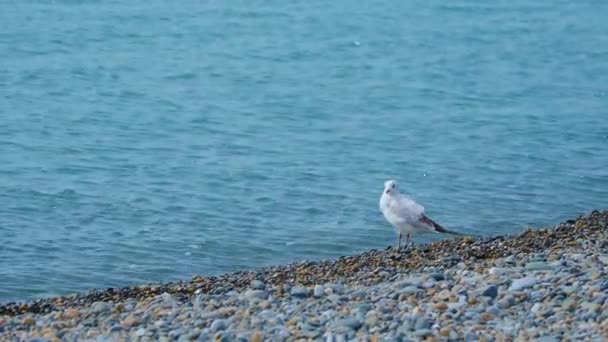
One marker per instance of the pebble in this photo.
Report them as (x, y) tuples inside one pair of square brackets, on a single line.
[(299, 292), (218, 325), (258, 285), (351, 323), (437, 276), (99, 307), (319, 291), (522, 283), (538, 266), (490, 291), (423, 323), (140, 332), (256, 294)]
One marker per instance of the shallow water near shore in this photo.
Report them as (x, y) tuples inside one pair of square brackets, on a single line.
[(149, 142)]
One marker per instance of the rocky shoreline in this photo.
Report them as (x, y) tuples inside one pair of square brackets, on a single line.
[(544, 284)]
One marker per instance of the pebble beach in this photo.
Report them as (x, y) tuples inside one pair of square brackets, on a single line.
[(547, 284)]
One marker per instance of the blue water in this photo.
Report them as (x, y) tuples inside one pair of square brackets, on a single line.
[(147, 141)]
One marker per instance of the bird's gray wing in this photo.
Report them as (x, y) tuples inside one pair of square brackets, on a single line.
[(407, 209)]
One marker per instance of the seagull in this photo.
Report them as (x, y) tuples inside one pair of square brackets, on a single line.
[(405, 214)]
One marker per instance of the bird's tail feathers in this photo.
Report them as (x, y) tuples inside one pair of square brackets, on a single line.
[(438, 228)]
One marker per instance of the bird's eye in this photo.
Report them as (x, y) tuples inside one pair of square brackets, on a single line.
[(393, 186)]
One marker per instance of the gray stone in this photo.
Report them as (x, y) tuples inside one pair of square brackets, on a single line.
[(99, 307), (115, 329), (522, 283), (547, 339), (490, 291), (422, 323), (336, 288), (299, 292), (351, 323), (218, 325), (210, 314), (423, 332), (140, 332), (256, 294), (319, 291), (410, 290), (174, 334), (364, 307), (258, 285), (437, 276), (538, 266)]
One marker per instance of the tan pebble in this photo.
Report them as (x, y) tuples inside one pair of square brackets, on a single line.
[(130, 321), (228, 311), (292, 321), (29, 321), (440, 306), (443, 295), (486, 316), (264, 304), (444, 332), (71, 313), (256, 337), (371, 320), (479, 268), (51, 336)]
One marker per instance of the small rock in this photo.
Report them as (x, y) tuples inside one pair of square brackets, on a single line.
[(256, 294), (489, 291), (522, 283), (351, 323), (507, 302), (422, 332), (299, 292), (258, 285), (71, 314), (319, 291), (99, 307), (437, 276), (538, 266), (130, 321), (444, 332), (256, 337), (440, 306), (115, 329), (486, 316), (29, 320), (410, 290), (218, 325), (140, 332), (422, 323)]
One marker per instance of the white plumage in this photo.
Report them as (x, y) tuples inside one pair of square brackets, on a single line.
[(404, 214)]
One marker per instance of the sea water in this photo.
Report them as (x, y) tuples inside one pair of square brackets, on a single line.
[(149, 141)]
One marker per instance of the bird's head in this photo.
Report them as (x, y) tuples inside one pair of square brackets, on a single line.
[(390, 186)]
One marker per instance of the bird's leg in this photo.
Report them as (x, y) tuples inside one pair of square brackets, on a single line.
[(399, 245), (407, 239)]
